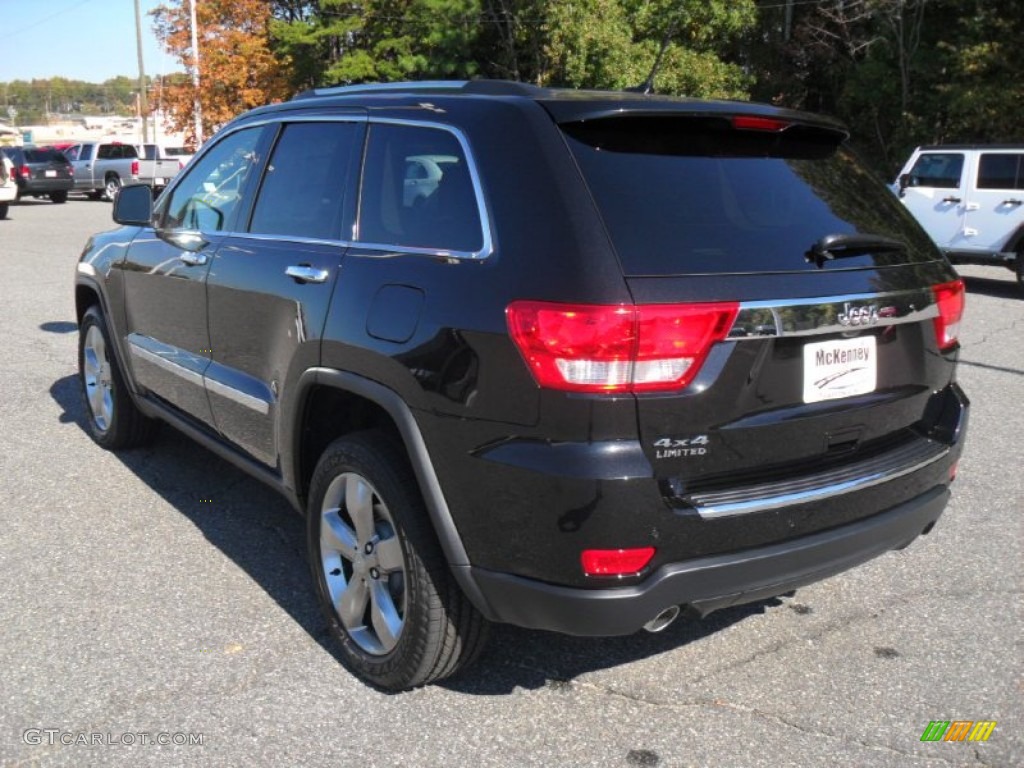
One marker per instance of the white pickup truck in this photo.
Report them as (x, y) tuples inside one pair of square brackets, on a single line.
[(970, 200), (103, 167)]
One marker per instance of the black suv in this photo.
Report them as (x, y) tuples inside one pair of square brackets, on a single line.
[(568, 360), (41, 172)]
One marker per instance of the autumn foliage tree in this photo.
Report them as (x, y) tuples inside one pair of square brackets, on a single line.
[(237, 69)]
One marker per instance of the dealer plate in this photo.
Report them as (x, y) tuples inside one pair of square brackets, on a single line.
[(839, 368), (50, 174)]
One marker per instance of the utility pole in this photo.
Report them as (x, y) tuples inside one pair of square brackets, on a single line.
[(197, 108), (143, 105)]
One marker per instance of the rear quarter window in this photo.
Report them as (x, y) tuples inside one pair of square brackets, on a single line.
[(417, 191)]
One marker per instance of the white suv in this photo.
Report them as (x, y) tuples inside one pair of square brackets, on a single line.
[(970, 200), (8, 188)]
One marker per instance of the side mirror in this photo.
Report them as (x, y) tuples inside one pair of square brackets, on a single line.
[(904, 183), (133, 205)]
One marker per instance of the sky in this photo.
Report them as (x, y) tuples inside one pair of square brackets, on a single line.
[(91, 40)]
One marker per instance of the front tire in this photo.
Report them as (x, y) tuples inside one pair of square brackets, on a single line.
[(114, 420), (379, 573), (59, 197)]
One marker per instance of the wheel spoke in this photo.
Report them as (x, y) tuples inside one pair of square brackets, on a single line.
[(351, 603), (337, 536), (389, 555), (96, 401), (384, 616), (359, 504), (91, 362)]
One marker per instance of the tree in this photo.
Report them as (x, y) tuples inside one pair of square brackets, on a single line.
[(335, 42), (238, 70)]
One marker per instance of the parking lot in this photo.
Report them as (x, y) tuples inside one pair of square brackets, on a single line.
[(162, 596)]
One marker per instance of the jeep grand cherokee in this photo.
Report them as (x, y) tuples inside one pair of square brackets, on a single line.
[(624, 355)]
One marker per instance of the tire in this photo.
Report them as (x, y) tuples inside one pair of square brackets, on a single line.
[(401, 620), (59, 197), (114, 420), (111, 186), (3, 210)]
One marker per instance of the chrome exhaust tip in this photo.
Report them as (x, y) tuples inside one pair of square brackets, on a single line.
[(663, 619)]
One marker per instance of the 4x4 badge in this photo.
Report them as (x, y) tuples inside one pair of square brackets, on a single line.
[(865, 315), (680, 447)]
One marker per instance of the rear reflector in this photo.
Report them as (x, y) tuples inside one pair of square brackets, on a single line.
[(950, 298), (615, 562), (751, 123), (625, 348)]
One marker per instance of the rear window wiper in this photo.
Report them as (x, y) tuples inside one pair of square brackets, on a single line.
[(840, 246)]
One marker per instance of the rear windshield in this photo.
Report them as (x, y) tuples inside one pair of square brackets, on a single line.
[(44, 156), (694, 196)]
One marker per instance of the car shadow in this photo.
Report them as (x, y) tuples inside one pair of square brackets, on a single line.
[(261, 533), (998, 289)]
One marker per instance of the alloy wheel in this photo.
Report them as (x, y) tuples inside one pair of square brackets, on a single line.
[(363, 567)]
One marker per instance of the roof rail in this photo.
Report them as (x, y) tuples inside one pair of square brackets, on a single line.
[(483, 87)]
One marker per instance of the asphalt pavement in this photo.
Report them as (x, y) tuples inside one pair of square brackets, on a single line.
[(156, 609)]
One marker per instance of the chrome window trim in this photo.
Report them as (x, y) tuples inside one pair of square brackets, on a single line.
[(856, 477), (279, 118), (807, 316), (483, 216)]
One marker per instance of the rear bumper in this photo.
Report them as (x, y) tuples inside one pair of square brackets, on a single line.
[(46, 186), (706, 584)]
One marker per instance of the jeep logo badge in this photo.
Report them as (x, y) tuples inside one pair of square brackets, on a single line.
[(851, 315)]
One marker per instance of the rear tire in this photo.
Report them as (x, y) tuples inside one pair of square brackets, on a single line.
[(59, 197), (114, 420), (3, 210), (379, 573), (111, 186)]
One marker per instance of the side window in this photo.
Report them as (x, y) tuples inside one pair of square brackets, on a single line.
[(417, 191), (939, 170), (1001, 170), (106, 152), (71, 153), (304, 184), (207, 197)]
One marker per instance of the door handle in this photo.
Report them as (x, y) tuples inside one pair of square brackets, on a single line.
[(1012, 201), (307, 274), (951, 199), (193, 259)]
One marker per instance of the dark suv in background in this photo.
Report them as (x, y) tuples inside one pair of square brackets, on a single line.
[(41, 172), (568, 360)]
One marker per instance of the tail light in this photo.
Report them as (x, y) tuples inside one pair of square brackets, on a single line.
[(615, 562), (950, 299), (135, 167), (625, 348), (25, 172)]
